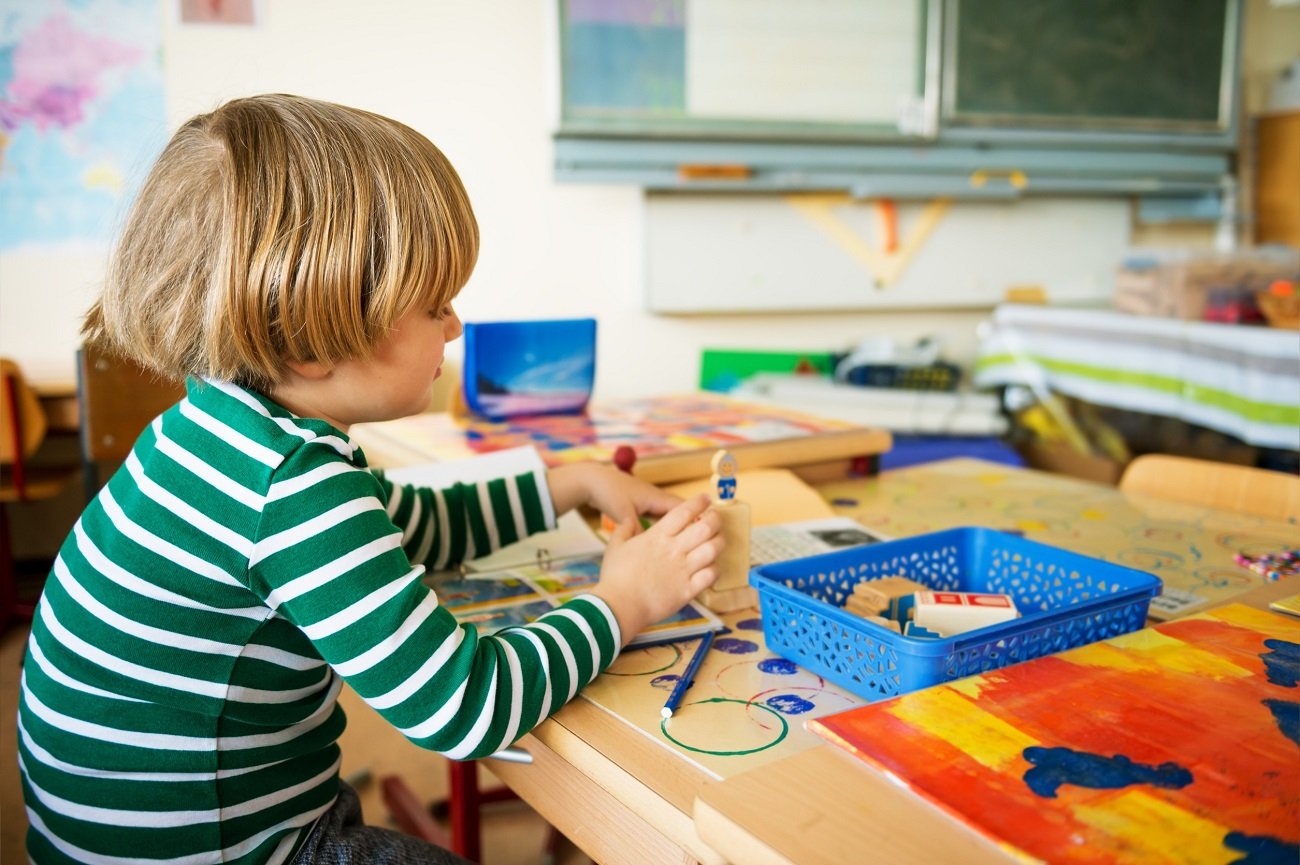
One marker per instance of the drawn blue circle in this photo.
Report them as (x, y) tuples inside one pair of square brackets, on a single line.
[(665, 683), (750, 625), (734, 646), (779, 666), (789, 704)]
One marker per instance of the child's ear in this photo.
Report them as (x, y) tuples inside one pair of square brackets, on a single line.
[(309, 369)]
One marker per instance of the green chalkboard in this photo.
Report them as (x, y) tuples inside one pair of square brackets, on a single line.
[(1114, 64)]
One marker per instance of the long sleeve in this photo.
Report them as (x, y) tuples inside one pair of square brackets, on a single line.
[(443, 527), (329, 559)]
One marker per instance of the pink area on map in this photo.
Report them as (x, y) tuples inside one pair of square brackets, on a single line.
[(56, 71), (635, 13)]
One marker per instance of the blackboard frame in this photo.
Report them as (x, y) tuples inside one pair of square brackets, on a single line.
[(935, 155)]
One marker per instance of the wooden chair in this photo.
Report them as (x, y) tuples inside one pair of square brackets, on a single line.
[(22, 430), (117, 399), (411, 815), (463, 807), (1247, 490)]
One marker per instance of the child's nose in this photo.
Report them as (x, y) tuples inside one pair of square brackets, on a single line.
[(451, 327)]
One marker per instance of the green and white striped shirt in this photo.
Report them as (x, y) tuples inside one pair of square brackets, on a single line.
[(178, 698)]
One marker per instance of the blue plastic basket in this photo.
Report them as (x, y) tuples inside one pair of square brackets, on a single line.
[(1065, 600)]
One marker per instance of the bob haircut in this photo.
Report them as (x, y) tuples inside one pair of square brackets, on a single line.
[(278, 228)]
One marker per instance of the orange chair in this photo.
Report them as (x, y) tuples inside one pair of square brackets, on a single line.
[(22, 430), (1228, 487)]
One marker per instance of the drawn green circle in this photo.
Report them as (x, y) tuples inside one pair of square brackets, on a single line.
[(785, 729), (677, 656)]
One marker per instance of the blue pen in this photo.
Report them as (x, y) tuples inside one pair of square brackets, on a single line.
[(688, 678)]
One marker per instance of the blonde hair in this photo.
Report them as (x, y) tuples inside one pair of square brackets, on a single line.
[(279, 228)]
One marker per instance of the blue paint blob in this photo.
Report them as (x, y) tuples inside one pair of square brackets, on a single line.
[(1282, 663), (780, 666), (750, 625), (1262, 849), (665, 682), (734, 646), (1287, 716), (789, 704), (1054, 767)]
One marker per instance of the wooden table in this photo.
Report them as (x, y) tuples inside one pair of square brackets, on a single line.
[(833, 808), (1190, 548), (674, 437), (624, 797)]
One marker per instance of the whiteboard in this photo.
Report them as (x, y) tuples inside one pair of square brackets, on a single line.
[(817, 60), (763, 253), (758, 67)]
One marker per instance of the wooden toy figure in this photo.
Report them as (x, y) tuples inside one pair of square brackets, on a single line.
[(732, 590), (722, 485)]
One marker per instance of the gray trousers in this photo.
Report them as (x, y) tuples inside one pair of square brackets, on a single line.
[(340, 838)]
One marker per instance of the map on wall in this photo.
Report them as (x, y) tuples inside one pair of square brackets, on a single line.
[(81, 115)]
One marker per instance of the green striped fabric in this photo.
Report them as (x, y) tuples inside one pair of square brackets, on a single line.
[(178, 699)]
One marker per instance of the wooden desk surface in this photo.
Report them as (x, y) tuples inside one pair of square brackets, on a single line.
[(614, 735), (783, 812), (1189, 548), (623, 797), (825, 807)]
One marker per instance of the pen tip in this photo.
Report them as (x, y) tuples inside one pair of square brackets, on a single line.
[(666, 712)]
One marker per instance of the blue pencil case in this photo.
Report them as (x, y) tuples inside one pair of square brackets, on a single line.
[(517, 368)]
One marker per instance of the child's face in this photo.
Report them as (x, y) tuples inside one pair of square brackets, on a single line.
[(395, 381)]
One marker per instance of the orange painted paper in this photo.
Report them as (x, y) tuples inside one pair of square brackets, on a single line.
[(1208, 695)]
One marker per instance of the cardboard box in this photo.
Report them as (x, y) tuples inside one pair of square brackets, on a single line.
[(1062, 459), (1201, 286)]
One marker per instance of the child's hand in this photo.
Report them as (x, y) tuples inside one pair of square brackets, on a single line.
[(617, 495), (646, 577)]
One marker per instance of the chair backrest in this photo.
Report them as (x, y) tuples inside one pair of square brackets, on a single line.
[(118, 398), (1243, 489), (22, 429), (22, 420)]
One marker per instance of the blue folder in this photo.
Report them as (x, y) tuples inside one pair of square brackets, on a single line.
[(516, 368)]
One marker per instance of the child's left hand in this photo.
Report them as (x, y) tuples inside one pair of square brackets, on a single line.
[(615, 494)]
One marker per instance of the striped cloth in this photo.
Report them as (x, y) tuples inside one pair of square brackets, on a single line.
[(1243, 381), (178, 699)]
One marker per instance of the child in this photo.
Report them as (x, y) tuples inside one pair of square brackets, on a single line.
[(297, 261)]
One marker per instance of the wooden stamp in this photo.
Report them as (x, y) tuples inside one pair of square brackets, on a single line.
[(951, 613), (733, 562), (886, 593)]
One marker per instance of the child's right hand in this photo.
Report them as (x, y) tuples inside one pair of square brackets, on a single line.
[(646, 577)]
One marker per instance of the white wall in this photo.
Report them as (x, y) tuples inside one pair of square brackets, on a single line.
[(477, 77)]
